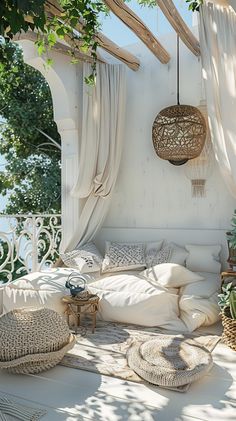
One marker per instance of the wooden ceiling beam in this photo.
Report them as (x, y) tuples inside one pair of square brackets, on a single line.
[(53, 7), (176, 21), (130, 19), (58, 47)]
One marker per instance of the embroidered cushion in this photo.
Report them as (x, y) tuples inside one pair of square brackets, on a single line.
[(155, 257), (86, 259), (123, 256)]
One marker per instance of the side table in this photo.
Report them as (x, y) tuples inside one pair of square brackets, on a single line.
[(76, 306), (229, 276)]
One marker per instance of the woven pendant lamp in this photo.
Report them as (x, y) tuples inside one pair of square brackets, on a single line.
[(179, 131)]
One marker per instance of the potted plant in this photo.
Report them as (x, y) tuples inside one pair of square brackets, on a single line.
[(231, 239), (227, 304)]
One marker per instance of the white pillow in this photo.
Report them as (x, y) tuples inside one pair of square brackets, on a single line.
[(198, 311), (171, 275), (157, 245), (178, 254), (86, 259), (38, 289), (132, 299), (123, 256), (203, 258), (211, 285)]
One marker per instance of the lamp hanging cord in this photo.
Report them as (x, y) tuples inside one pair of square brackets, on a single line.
[(178, 70)]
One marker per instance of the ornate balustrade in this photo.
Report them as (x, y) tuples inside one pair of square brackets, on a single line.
[(28, 243)]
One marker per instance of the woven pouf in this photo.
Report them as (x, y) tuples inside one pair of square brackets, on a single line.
[(33, 340), (169, 361)]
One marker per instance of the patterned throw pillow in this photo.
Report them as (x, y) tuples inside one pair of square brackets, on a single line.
[(121, 257), (155, 257), (86, 259)]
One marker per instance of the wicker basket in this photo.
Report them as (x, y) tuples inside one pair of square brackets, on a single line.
[(229, 332)]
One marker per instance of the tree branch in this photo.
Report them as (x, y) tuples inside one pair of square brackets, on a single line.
[(57, 145)]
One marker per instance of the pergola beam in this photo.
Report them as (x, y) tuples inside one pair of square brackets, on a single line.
[(53, 7), (130, 19), (58, 47), (175, 19)]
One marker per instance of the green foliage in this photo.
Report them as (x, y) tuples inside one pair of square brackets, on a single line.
[(12, 14), (31, 178), (232, 304), (22, 15), (228, 299), (231, 235), (224, 296), (194, 5), (19, 269), (147, 3)]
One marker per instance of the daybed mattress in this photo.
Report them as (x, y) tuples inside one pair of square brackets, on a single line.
[(130, 298), (125, 297)]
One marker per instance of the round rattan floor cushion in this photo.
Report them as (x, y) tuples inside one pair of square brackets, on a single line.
[(169, 360), (33, 340)]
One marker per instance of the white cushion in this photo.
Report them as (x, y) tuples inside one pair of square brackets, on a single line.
[(38, 289), (204, 289), (157, 245), (178, 254), (198, 302), (132, 299), (123, 256), (171, 275), (198, 311), (203, 258), (86, 259), (156, 256)]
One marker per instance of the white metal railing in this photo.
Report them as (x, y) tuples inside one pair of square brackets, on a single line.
[(28, 243)]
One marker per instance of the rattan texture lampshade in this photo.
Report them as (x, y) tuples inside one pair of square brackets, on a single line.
[(179, 133)]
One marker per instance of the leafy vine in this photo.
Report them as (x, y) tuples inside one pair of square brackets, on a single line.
[(23, 15)]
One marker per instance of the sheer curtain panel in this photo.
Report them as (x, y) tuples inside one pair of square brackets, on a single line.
[(218, 50), (100, 148)]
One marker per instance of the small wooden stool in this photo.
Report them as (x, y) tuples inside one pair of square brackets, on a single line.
[(228, 276), (77, 306)]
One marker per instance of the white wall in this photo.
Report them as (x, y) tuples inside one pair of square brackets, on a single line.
[(151, 192)]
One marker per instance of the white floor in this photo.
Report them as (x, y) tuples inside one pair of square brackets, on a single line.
[(70, 394)]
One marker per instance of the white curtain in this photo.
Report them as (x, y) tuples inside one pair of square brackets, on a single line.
[(101, 148), (218, 50)]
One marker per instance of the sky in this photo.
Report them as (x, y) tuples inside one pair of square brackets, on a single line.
[(153, 18)]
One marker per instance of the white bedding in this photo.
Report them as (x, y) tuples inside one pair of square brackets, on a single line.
[(125, 297), (131, 298)]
